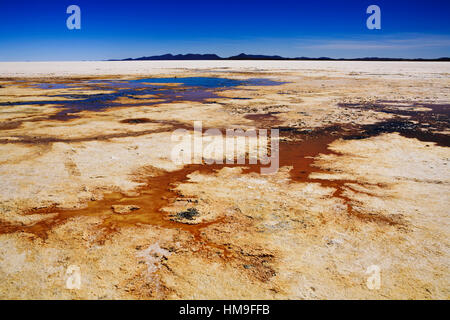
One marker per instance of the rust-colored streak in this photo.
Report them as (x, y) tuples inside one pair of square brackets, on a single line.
[(136, 120), (302, 154), (159, 193), (10, 125)]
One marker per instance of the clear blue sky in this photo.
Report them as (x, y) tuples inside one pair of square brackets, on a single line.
[(36, 30)]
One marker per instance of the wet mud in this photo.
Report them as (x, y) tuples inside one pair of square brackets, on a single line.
[(425, 122)]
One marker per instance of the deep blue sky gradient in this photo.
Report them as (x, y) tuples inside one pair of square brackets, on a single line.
[(36, 30)]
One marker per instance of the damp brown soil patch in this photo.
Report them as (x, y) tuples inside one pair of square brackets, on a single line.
[(136, 120), (167, 126), (9, 125), (264, 120)]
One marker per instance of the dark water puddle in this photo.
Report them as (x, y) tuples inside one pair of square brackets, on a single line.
[(409, 120), (51, 86), (200, 82), (211, 82), (184, 89)]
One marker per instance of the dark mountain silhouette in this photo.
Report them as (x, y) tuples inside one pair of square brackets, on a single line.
[(243, 56), (189, 56)]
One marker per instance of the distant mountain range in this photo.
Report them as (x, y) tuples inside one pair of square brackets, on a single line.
[(243, 56)]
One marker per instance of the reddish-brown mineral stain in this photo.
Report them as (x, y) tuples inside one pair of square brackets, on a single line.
[(159, 191)]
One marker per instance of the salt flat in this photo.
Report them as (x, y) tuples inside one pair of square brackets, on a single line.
[(101, 68), (88, 181)]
